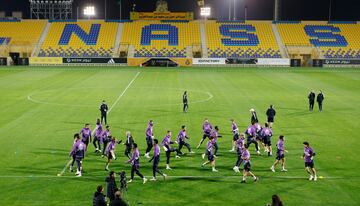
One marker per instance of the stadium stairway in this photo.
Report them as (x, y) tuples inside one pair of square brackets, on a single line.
[(203, 40), (41, 40), (282, 48), (117, 40)]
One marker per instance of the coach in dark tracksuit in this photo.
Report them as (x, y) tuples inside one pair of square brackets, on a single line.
[(185, 102), (103, 111), (270, 113), (311, 98), (320, 98)]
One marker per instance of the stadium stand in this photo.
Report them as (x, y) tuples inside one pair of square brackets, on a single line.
[(241, 40), (346, 40), (80, 39), (161, 38), (24, 33), (333, 40)]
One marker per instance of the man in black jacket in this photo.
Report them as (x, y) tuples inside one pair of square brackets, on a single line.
[(111, 187), (320, 98), (118, 200), (311, 98), (128, 144), (103, 111), (270, 113), (99, 198)]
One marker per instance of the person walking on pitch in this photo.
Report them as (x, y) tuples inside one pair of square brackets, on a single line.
[(103, 112), (320, 98), (185, 102), (270, 113), (311, 98)]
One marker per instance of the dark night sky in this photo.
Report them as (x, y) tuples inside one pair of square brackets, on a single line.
[(257, 9)]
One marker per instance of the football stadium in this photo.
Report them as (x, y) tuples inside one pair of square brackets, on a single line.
[(191, 102)]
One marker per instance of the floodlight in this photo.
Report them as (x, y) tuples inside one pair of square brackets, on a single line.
[(89, 11), (205, 11)]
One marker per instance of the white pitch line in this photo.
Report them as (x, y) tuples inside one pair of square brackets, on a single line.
[(122, 94), (112, 106), (174, 177)]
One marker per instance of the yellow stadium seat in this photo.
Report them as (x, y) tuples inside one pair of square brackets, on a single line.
[(264, 45), (188, 35), (77, 47)]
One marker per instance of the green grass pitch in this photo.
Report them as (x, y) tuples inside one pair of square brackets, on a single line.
[(41, 109)]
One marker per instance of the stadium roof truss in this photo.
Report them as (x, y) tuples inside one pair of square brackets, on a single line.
[(51, 9)]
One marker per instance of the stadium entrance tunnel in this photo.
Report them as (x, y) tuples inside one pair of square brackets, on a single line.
[(159, 62)]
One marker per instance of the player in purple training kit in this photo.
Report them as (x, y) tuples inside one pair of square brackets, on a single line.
[(97, 136), (86, 134), (250, 137), (110, 152), (105, 139), (266, 134), (235, 131), (259, 137), (73, 156), (135, 162), (239, 144), (210, 154), (308, 157), (247, 165), (166, 143), (180, 139), (280, 154), (206, 129), (149, 138), (215, 135), (78, 150), (156, 158)]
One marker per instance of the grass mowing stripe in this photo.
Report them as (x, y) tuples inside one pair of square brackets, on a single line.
[(112, 106)]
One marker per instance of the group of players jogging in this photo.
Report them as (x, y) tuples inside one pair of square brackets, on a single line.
[(105, 144)]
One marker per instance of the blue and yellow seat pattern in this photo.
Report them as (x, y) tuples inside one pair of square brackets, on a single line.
[(80, 39), (340, 41), (161, 39), (241, 40)]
